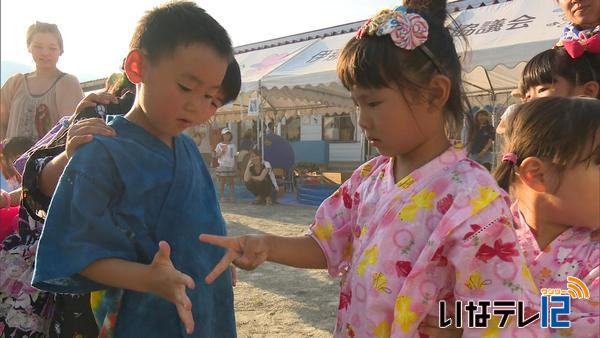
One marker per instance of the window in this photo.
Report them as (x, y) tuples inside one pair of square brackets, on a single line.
[(291, 129), (338, 128)]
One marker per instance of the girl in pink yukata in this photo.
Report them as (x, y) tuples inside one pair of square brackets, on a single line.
[(421, 223), (552, 166)]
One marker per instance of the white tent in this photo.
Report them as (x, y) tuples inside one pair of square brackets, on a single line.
[(310, 78), (254, 66), (500, 39)]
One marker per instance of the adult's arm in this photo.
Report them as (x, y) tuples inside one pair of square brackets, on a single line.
[(68, 95), (7, 93)]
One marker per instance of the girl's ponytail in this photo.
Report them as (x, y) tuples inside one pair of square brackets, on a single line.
[(504, 173), (558, 130)]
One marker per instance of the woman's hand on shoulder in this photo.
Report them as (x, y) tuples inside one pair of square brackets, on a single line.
[(83, 132)]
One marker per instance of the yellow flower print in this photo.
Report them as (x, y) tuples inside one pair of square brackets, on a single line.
[(382, 330), (486, 196), (366, 170), (379, 282), (363, 230), (406, 182), (527, 275), (323, 232), (493, 330), (475, 282), (424, 199), (381, 174), (409, 212), (369, 258), (404, 316)]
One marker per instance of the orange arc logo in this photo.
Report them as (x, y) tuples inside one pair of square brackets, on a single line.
[(577, 288)]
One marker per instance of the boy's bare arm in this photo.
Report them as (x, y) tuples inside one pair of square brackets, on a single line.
[(159, 278), (120, 273)]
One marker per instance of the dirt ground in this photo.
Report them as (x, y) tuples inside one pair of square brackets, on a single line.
[(275, 300)]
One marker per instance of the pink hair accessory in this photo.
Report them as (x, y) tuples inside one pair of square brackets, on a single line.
[(576, 48), (510, 157), (407, 30)]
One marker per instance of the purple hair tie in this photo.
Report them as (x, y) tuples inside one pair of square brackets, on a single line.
[(510, 157)]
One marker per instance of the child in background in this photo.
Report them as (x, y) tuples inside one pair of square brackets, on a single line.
[(552, 166), (226, 171), (147, 190), (11, 149), (554, 73), (421, 223)]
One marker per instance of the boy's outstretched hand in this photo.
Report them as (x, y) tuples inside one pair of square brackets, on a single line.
[(246, 252), (170, 284)]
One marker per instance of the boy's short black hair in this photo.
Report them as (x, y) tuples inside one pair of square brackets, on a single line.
[(232, 82), (161, 30)]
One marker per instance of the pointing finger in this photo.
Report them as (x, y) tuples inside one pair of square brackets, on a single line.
[(220, 267), (222, 241)]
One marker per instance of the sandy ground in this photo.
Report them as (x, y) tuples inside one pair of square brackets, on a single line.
[(275, 300)]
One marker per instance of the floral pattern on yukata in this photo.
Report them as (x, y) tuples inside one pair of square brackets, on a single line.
[(572, 253), (444, 232), (570, 32)]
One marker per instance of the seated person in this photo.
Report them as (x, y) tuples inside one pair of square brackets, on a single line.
[(259, 178)]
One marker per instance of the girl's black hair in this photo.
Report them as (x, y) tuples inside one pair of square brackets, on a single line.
[(375, 62), (549, 64)]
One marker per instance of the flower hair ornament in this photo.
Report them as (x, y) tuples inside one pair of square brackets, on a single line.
[(408, 31)]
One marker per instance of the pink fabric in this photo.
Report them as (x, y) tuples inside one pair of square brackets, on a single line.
[(9, 221), (576, 48), (572, 253), (444, 232)]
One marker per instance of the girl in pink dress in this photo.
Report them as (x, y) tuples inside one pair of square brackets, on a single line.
[(421, 223), (552, 167)]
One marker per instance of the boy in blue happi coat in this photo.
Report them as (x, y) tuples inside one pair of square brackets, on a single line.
[(127, 208)]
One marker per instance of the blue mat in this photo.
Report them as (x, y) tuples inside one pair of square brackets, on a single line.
[(312, 195)]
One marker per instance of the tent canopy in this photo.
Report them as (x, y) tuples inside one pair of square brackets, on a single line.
[(502, 38), (300, 78)]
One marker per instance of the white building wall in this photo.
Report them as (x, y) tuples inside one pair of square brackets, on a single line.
[(311, 128), (344, 152)]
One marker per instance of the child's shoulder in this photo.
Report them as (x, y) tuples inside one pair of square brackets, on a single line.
[(468, 191), (372, 166), (368, 169)]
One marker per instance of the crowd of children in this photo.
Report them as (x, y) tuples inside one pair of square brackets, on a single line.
[(419, 225)]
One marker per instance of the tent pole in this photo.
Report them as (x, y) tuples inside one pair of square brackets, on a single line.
[(262, 136)]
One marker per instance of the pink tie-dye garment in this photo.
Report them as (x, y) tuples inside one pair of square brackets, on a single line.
[(572, 253), (444, 232)]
